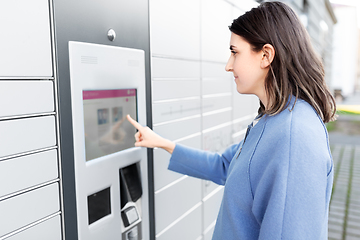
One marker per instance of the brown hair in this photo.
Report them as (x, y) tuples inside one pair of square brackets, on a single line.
[(296, 70)]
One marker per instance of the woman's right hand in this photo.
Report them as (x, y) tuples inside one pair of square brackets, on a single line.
[(145, 137)]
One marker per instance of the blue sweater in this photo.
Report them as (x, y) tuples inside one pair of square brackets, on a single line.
[(278, 187)]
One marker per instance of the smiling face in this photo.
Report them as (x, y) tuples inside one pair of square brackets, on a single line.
[(248, 67)]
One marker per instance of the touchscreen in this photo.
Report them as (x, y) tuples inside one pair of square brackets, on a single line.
[(106, 128)]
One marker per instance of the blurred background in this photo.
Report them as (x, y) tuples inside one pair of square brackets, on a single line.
[(343, 80)]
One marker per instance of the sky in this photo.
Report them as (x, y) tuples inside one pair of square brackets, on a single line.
[(347, 2), (355, 3)]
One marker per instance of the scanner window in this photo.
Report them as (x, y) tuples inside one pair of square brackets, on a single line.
[(99, 205)]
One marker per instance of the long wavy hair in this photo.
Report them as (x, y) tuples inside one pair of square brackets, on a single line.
[(296, 69)]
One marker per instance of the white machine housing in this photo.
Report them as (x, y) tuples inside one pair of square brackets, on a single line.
[(101, 67)]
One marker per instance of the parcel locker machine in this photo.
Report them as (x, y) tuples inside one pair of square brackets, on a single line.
[(107, 83)]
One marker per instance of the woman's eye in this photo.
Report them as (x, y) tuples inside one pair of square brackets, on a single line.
[(233, 52)]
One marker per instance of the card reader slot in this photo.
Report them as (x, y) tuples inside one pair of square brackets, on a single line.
[(124, 193), (130, 182)]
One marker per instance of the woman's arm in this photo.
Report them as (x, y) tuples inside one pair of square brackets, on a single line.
[(185, 160), (202, 164)]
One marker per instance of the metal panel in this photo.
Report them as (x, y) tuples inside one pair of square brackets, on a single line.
[(208, 234), (222, 86), (26, 97), (27, 171), (22, 135), (162, 175), (212, 70), (237, 12), (49, 230), (244, 5), (212, 206), (217, 140), (25, 43), (163, 112), (240, 125), (182, 88), (216, 103), (176, 25), (215, 34), (16, 212), (244, 104), (173, 68), (173, 202), (177, 130), (213, 120), (188, 227), (208, 187)]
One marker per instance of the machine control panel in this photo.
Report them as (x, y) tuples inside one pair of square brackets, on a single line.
[(107, 83)]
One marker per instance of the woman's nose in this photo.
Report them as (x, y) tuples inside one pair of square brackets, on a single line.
[(229, 67)]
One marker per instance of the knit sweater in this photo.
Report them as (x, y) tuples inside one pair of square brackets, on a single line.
[(278, 186)]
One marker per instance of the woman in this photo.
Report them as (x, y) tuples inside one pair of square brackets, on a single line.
[(278, 180)]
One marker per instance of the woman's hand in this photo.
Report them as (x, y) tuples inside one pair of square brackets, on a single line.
[(145, 137)]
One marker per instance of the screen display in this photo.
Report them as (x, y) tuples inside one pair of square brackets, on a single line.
[(106, 128)]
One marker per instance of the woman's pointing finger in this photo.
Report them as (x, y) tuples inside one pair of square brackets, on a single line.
[(134, 123)]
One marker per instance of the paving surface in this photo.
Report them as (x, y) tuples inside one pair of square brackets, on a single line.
[(344, 216)]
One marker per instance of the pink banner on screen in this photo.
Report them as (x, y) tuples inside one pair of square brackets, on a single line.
[(98, 94)]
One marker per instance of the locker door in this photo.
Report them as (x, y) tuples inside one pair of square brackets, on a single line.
[(25, 43)]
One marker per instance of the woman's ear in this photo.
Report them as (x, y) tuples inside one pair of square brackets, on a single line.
[(268, 55)]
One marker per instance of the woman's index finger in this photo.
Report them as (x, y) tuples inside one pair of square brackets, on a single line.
[(133, 122)]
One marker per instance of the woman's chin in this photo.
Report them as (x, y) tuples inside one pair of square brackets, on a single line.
[(242, 91)]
